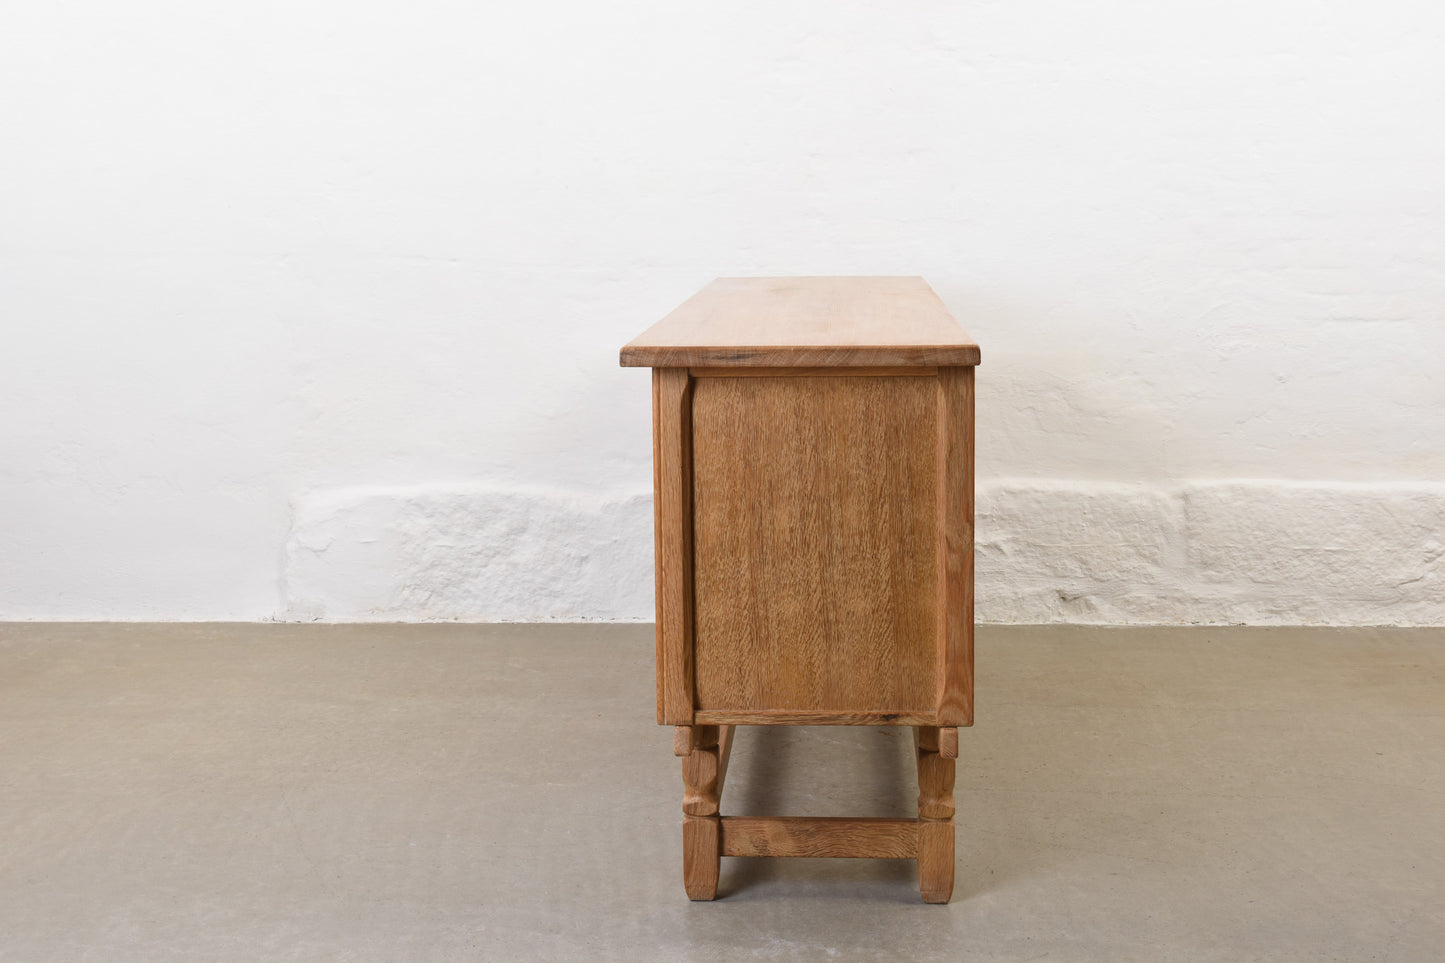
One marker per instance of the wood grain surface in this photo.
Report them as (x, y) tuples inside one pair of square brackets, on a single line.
[(844, 837), (935, 860), (815, 717), (954, 606), (813, 469), (806, 321), (892, 371), (672, 534), (814, 538), (935, 816), (701, 849), (703, 771)]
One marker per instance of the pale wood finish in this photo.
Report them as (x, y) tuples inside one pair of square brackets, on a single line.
[(935, 818), (935, 776), (799, 717), (701, 769), (702, 791), (935, 860), (704, 770), (806, 321), (954, 545), (701, 849), (814, 536), (707, 836), (895, 371), (813, 472), (819, 836), (724, 753), (672, 532), (686, 739)]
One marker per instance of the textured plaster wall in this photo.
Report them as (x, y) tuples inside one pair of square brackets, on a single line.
[(1267, 553), (311, 310)]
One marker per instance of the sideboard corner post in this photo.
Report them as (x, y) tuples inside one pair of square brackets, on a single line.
[(955, 546), (672, 525)]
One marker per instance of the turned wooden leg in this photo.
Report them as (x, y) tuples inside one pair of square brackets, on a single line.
[(935, 817), (703, 769)]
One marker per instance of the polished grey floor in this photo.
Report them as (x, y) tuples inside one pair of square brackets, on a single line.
[(455, 792)]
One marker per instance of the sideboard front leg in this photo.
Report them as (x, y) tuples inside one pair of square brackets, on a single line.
[(703, 770), (935, 818), (701, 856)]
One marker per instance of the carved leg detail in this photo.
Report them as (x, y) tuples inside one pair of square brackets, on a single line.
[(700, 772), (935, 818), (703, 770)]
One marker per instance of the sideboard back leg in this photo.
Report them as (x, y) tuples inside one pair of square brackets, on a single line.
[(935, 818), (703, 771)]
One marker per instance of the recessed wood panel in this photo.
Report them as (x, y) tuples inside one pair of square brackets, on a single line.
[(814, 539)]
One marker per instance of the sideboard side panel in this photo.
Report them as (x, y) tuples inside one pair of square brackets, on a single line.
[(672, 534), (815, 528)]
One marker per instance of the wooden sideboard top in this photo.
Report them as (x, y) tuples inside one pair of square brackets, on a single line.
[(806, 322)]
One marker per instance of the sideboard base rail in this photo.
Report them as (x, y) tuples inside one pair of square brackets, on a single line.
[(707, 835)]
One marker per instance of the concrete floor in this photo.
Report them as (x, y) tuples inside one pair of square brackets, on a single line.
[(453, 792)]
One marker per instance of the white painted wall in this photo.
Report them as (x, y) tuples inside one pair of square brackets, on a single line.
[(311, 309)]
